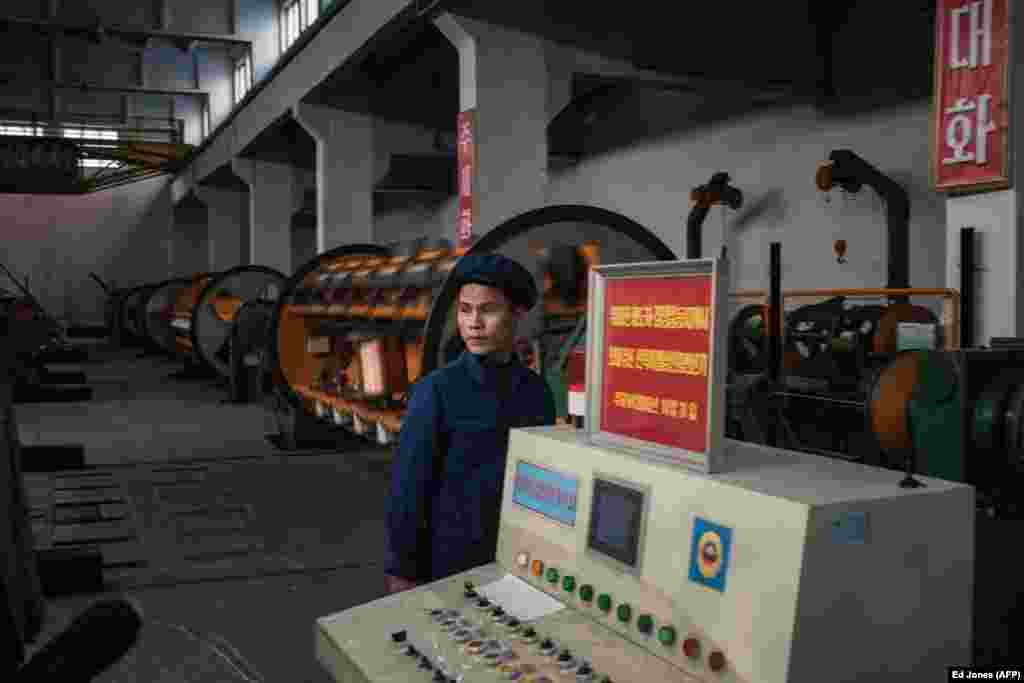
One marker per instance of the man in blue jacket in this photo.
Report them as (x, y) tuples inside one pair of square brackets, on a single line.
[(451, 454)]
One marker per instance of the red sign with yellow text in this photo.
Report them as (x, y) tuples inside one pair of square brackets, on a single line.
[(657, 360), (467, 169), (972, 105)]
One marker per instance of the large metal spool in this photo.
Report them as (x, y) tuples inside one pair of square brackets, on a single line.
[(134, 311), (158, 304), (217, 304), (284, 327)]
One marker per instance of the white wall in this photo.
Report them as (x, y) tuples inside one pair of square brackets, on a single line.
[(772, 159), (57, 240)]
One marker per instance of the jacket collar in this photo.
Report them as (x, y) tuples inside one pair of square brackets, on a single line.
[(478, 372)]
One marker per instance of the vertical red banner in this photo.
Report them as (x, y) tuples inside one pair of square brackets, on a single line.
[(467, 170), (970, 140)]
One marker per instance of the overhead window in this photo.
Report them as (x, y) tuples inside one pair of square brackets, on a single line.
[(296, 17), (243, 77), (91, 135), (7, 129)]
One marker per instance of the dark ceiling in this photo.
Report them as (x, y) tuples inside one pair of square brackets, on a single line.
[(845, 57)]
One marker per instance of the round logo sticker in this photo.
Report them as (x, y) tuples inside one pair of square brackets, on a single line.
[(710, 552)]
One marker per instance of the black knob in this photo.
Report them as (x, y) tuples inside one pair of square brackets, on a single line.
[(547, 644), (471, 594), (483, 602), (497, 611), (398, 637), (564, 655)]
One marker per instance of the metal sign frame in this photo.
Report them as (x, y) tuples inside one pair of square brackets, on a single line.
[(711, 461)]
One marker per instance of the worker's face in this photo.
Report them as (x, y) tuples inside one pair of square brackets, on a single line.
[(487, 320)]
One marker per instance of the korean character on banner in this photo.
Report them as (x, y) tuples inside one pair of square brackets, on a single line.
[(965, 127), (979, 35), (465, 136)]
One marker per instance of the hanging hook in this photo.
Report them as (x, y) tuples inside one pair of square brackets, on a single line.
[(840, 249)]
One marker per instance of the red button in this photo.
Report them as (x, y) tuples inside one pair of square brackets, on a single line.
[(716, 661), (691, 648)]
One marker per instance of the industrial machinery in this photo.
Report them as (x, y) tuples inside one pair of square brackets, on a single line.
[(250, 378), (158, 306), (212, 317), (884, 377), (358, 325), (615, 566)]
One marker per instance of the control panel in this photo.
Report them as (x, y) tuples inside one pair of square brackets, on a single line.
[(787, 568)]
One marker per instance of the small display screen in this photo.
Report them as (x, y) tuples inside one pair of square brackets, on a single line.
[(616, 514), (546, 492)]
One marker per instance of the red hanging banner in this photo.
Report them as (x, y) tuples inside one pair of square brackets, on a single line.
[(970, 138), (467, 169)]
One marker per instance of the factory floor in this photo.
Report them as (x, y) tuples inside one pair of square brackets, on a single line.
[(231, 547)]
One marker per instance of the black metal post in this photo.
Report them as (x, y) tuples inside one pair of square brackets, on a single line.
[(967, 268), (775, 310)]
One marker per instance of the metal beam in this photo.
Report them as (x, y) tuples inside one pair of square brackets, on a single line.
[(26, 84), (98, 32)]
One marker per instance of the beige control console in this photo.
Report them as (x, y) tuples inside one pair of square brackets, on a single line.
[(788, 568)]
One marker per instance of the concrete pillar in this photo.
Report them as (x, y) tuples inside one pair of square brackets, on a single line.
[(189, 237), (271, 197), (228, 219), (504, 80), (344, 174)]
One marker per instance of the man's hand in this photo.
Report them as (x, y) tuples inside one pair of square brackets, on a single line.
[(396, 584)]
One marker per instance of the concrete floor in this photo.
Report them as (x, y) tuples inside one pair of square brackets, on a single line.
[(304, 537)]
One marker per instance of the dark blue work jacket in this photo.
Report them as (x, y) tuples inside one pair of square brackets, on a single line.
[(456, 415)]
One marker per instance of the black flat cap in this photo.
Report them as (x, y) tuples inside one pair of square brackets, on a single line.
[(501, 272)]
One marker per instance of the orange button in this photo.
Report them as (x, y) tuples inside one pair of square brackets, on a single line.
[(691, 648), (716, 661), (538, 567)]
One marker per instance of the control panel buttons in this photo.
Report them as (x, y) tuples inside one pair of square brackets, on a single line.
[(625, 613), (667, 635), (568, 584), (604, 602), (645, 624), (716, 661), (691, 648), (537, 568), (398, 637), (586, 593), (552, 575), (523, 560)]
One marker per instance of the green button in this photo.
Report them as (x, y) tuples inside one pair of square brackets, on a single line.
[(586, 593), (625, 613), (604, 602), (569, 584), (552, 575), (645, 623), (667, 635)]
